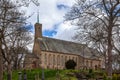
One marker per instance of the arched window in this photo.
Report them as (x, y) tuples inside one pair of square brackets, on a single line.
[(45, 58), (65, 58), (73, 58), (61, 61), (34, 64), (76, 60), (54, 60), (87, 63), (40, 58), (49, 59), (69, 58), (91, 63), (58, 59), (96, 67)]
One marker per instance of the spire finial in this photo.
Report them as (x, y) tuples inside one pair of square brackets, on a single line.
[(38, 16), (38, 12)]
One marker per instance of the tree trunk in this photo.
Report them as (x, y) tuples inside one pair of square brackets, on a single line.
[(15, 66), (106, 62), (9, 76), (109, 70), (1, 61), (109, 60), (1, 66)]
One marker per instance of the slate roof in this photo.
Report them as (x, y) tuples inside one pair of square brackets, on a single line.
[(67, 47)]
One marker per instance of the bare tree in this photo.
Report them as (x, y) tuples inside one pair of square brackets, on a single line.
[(10, 19), (19, 49), (18, 46), (26, 2), (98, 21)]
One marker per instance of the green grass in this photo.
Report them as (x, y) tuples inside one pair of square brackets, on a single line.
[(54, 74), (49, 74)]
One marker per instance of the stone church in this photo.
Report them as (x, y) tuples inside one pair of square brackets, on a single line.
[(50, 53)]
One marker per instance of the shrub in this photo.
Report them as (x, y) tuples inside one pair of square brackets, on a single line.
[(70, 64), (109, 78), (99, 73), (104, 77), (114, 77), (118, 77), (90, 71), (90, 74)]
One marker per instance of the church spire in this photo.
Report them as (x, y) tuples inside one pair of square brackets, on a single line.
[(38, 16)]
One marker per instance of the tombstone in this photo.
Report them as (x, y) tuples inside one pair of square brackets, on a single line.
[(43, 76), (57, 75), (20, 75), (37, 76), (25, 75), (78, 76)]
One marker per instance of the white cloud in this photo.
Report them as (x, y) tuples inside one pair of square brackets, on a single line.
[(66, 2), (65, 31), (51, 15), (30, 46)]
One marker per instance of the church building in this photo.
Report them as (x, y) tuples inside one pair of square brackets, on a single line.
[(50, 53)]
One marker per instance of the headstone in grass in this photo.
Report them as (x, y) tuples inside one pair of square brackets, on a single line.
[(43, 76), (25, 75), (57, 75), (20, 75), (79, 76), (37, 77)]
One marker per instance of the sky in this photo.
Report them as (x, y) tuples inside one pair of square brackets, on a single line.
[(51, 16)]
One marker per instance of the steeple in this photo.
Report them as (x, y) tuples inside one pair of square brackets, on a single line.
[(37, 37), (38, 16), (38, 28)]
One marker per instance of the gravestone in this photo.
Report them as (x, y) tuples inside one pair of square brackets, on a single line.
[(20, 75), (25, 75)]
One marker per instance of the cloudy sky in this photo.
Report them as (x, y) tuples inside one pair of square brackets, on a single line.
[(51, 16)]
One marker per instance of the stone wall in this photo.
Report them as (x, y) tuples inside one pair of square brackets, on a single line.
[(53, 60)]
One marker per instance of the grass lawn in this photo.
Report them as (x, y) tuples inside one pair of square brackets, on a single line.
[(49, 74)]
